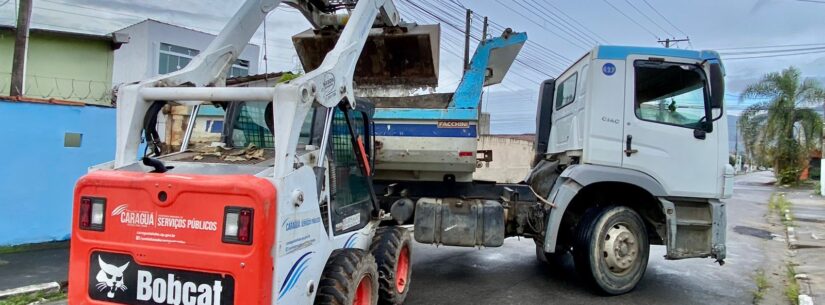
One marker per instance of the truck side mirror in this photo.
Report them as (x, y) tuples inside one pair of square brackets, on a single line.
[(717, 85)]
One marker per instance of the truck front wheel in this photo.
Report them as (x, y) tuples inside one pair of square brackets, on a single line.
[(611, 249)]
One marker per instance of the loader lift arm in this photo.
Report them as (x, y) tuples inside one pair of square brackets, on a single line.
[(205, 76)]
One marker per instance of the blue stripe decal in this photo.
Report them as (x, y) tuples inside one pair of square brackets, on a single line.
[(423, 130), (351, 240), (621, 52), (292, 272), (468, 114)]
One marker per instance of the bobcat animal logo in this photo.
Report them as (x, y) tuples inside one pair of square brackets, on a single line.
[(110, 277)]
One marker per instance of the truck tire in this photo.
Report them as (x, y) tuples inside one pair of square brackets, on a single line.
[(391, 247), (611, 249), (350, 277)]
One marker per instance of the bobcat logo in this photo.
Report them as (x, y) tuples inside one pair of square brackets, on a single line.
[(110, 277)]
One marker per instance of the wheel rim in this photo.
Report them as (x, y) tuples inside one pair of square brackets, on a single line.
[(363, 294), (620, 249), (402, 270)]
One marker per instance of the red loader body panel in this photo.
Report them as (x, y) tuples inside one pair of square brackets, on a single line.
[(163, 242)]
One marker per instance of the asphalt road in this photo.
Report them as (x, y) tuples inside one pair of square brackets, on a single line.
[(511, 274)]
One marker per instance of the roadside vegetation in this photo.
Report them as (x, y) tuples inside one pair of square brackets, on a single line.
[(761, 281), (779, 204), (791, 287), (782, 129), (34, 298)]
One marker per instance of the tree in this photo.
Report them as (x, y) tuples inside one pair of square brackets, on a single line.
[(782, 129)]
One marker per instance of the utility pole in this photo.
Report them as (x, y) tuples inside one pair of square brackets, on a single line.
[(21, 45), (668, 41), (467, 40), (484, 31)]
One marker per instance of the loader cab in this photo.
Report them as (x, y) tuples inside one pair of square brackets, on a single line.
[(654, 110)]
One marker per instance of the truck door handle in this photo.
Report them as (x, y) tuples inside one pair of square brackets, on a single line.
[(628, 151)]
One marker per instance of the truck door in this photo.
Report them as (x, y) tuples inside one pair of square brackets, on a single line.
[(665, 134)]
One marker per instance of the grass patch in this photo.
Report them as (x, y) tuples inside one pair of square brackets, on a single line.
[(782, 207), (792, 287), (25, 299), (761, 282), (33, 247)]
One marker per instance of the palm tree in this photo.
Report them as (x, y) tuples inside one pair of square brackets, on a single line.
[(782, 129)]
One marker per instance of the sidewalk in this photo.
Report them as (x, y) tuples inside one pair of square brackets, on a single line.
[(36, 266), (808, 246)]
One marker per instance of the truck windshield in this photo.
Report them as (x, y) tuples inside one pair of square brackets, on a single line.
[(670, 93)]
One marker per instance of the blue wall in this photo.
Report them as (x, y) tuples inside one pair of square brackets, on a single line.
[(37, 174)]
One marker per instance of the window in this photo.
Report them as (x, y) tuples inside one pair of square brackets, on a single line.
[(351, 196), (566, 92), (240, 68), (173, 58), (670, 93), (214, 126), (251, 127)]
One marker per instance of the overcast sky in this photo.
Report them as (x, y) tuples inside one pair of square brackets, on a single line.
[(559, 31)]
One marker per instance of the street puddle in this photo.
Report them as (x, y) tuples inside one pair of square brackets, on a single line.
[(758, 233)]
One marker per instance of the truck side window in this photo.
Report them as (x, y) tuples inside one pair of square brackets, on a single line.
[(669, 93), (566, 93), (351, 199)]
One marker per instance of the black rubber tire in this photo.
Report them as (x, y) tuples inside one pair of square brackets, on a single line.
[(588, 256), (386, 247), (343, 272)]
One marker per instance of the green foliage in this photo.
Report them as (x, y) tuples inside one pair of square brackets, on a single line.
[(288, 76), (782, 130), (36, 298), (791, 287), (762, 286)]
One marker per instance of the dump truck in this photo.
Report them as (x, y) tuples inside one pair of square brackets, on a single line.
[(630, 151), (295, 222)]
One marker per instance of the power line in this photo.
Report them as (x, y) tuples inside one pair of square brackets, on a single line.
[(540, 25), (775, 55), (566, 27), (572, 19), (664, 18), (631, 19), (773, 46), (648, 18), (773, 51)]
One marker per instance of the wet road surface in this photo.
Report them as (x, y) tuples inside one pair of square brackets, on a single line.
[(511, 274)]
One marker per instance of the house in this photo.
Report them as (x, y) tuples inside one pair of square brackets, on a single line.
[(62, 65), (157, 48)]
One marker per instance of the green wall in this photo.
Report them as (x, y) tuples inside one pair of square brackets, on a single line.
[(61, 66)]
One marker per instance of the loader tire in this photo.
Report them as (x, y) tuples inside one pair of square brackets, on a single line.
[(611, 249), (350, 277), (391, 247)]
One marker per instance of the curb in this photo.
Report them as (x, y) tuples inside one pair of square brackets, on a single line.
[(44, 288)]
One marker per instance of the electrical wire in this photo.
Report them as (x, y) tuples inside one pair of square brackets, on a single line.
[(631, 19), (665, 18), (648, 18)]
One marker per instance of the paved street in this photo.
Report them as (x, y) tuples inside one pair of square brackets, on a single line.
[(511, 274)]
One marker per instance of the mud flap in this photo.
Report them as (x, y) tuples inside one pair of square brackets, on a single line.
[(695, 229)]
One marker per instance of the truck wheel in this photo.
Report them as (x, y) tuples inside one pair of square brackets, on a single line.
[(350, 277), (391, 249), (611, 249)]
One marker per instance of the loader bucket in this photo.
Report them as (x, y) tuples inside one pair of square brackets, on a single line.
[(405, 56)]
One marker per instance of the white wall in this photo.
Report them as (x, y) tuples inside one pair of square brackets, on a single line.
[(138, 59)]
